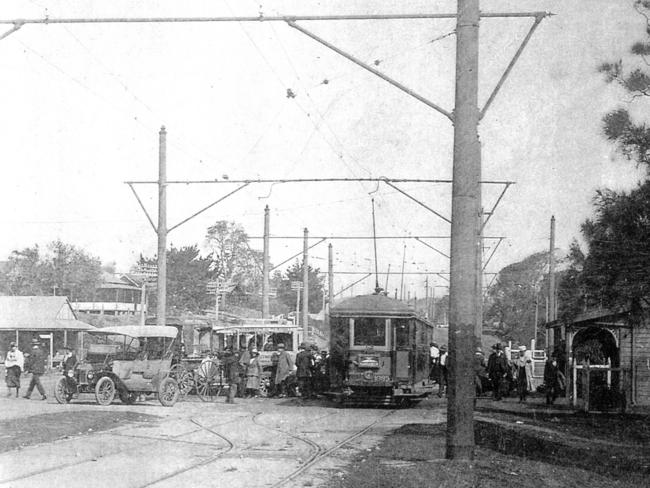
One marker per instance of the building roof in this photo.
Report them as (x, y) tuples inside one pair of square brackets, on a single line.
[(38, 313), (372, 305), (601, 316)]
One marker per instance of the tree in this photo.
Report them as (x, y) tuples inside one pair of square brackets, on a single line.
[(287, 296), (232, 258), (188, 274), (613, 272), (64, 270), (512, 298)]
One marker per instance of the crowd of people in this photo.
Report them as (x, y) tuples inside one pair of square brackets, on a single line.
[(499, 374), (305, 377)]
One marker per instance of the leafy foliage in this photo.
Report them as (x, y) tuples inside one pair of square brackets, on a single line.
[(287, 296), (512, 299), (632, 138), (188, 274), (63, 269)]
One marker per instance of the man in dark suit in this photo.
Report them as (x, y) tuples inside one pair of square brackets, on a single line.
[(36, 366)]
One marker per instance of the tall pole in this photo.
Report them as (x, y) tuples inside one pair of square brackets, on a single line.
[(401, 284), (465, 209), (143, 302), (162, 228), (551, 283), (478, 326), (387, 275), (265, 265), (330, 276), (305, 286)]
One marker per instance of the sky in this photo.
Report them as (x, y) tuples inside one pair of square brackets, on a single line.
[(83, 105)]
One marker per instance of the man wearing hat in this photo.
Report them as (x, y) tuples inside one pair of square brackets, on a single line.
[(524, 374), (36, 365), (304, 364), (284, 368), (497, 370), (14, 365)]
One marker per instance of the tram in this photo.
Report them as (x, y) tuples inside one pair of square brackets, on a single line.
[(379, 352)]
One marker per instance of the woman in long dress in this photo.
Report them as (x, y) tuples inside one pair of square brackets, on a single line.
[(253, 374), (14, 365)]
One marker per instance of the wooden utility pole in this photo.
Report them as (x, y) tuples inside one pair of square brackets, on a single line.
[(551, 284), (465, 211), (265, 265), (401, 283), (305, 286), (330, 276), (162, 229)]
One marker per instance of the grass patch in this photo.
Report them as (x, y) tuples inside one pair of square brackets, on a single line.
[(37, 429)]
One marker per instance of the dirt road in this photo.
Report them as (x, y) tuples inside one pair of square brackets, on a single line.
[(256, 442)]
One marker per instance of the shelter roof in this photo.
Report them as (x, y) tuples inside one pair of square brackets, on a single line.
[(600, 317), (140, 330), (372, 305), (39, 313)]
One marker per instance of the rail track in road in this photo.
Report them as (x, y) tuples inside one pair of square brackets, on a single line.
[(173, 439), (226, 445), (318, 453)]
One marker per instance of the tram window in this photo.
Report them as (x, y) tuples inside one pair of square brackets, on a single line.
[(401, 333), (369, 332)]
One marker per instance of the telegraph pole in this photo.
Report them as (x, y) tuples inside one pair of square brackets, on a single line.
[(551, 285), (330, 276), (305, 285), (464, 215), (162, 228), (265, 266)]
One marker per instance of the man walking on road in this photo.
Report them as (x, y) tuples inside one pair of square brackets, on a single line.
[(36, 366)]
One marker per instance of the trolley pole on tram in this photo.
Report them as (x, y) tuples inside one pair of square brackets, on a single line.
[(464, 224), (162, 228)]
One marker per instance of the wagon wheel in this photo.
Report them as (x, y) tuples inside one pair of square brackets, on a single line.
[(207, 378), (183, 377), (105, 391), (61, 390)]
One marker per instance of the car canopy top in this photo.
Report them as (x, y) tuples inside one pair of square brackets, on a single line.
[(138, 331)]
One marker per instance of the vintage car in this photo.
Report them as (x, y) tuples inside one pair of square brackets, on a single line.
[(127, 362)]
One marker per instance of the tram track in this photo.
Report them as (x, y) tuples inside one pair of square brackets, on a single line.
[(174, 439), (318, 453)]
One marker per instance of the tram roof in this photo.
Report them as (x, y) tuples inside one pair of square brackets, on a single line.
[(372, 305)]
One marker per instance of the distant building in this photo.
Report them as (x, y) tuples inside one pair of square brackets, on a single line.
[(47, 318), (118, 294)]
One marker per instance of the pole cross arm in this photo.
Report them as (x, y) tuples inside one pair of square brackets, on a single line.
[(417, 201), (144, 209), (513, 61), (492, 253), (17, 25), (431, 247), (374, 71), (207, 207), (494, 207), (296, 255), (350, 286)]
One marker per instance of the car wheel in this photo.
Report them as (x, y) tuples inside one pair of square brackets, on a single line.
[(61, 390), (168, 392), (105, 391)]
